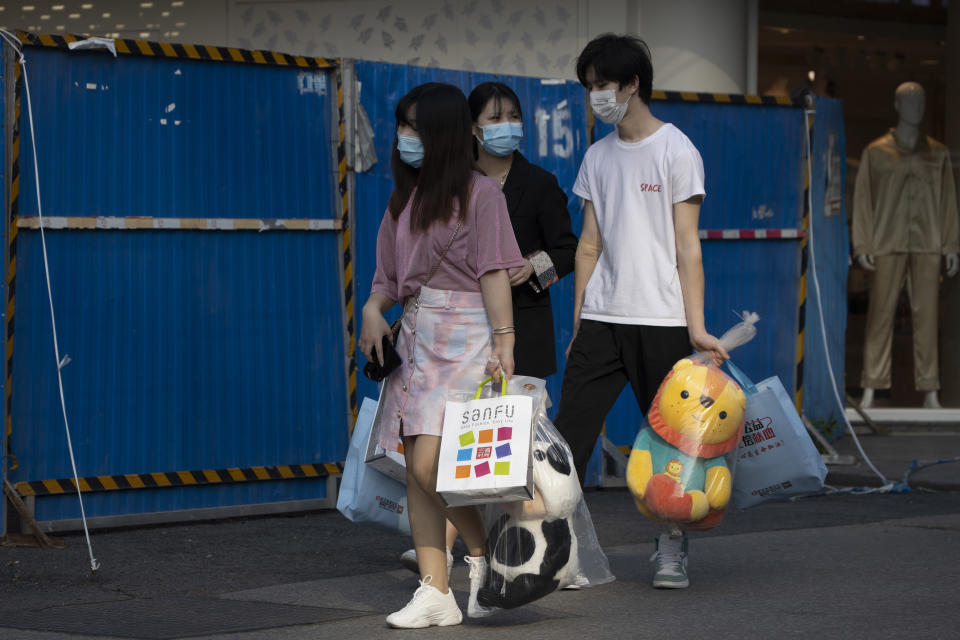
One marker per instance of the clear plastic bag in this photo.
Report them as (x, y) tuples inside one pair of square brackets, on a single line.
[(680, 470), (736, 336), (540, 545)]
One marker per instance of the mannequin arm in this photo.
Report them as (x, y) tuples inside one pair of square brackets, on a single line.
[(862, 224), (950, 221), (866, 261), (953, 264)]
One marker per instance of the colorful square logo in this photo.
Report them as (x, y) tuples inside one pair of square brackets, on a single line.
[(466, 438), (483, 469), (501, 469), (486, 436), (484, 452), (503, 450), (504, 433), (464, 455), (463, 471)]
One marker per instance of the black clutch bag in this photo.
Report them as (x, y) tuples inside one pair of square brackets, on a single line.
[(391, 360)]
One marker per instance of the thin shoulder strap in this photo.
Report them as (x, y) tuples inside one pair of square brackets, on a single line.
[(433, 272)]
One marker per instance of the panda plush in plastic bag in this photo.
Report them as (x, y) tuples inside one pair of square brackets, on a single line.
[(533, 545)]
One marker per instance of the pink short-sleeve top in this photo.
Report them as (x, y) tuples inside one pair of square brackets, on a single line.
[(484, 243)]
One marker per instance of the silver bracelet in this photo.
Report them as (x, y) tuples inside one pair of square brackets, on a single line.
[(506, 326), (503, 332)]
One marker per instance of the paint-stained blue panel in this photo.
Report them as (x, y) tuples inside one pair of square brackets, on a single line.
[(189, 349), (753, 161), (830, 249), (137, 136), (555, 126)]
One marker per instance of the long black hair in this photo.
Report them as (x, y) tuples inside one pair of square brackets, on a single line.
[(442, 121)]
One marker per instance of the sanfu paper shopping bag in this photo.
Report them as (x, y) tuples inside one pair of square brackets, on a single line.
[(485, 450)]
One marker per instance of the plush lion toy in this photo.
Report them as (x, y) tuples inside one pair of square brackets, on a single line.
[(677, 472)]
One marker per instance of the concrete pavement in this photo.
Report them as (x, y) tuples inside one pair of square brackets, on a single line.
[(835, 566), (894, 454)]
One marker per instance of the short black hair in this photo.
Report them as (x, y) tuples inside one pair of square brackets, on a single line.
[(618, 59)]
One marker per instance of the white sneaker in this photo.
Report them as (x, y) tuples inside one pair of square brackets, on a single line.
[(427, 608), (671, 559), (478, 577), (409, 560)]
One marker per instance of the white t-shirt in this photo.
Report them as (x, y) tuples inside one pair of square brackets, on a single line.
[(633, 187)]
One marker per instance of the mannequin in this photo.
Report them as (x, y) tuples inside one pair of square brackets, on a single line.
[(904, 220)]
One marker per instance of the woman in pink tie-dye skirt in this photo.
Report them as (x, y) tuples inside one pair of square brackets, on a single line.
[(446, 226)]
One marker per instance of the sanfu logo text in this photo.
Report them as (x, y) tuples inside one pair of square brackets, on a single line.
[(490, 413)]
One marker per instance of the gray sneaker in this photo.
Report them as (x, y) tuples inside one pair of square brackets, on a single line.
[(409, 560), (671, 559)]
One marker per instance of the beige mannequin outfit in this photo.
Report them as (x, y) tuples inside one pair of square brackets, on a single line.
[(905, 215)]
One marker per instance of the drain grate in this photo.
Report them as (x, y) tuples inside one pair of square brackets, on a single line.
[(168, 618)]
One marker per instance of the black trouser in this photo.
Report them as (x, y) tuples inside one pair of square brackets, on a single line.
[(604, 357)]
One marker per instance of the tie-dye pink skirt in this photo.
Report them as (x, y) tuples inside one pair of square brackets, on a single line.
[(444, 344)]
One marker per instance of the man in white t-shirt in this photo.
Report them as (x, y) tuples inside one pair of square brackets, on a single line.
[(638, 301)]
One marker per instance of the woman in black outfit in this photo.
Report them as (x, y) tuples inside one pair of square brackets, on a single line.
[(541, 224)]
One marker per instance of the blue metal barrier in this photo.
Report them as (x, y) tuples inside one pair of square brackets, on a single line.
[(195, 280), (220, 353)]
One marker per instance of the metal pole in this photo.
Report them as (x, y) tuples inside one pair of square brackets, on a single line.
[(9, 114)]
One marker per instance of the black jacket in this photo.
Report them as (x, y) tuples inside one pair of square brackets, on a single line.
[(541, 222)]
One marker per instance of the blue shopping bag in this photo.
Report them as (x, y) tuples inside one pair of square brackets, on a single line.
[(776, 458), (366, 495)]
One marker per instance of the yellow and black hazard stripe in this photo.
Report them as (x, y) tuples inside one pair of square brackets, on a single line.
[(804, 262), (12, 262), (150, 49), (231, 475), (726, 98), (345, 231), (707, 98)]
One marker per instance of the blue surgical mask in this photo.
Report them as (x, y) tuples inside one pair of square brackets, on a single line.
[(501, 139), (411, 150)]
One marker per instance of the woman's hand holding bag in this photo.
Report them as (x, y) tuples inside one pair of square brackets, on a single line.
[(372, 332)]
